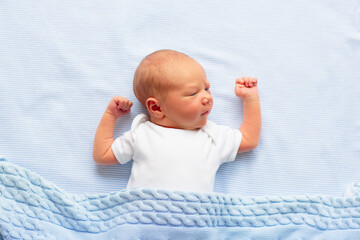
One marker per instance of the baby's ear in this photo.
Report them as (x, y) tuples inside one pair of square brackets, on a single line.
[(154, 108)]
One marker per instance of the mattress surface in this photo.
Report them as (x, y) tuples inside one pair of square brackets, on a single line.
[(62, 61)]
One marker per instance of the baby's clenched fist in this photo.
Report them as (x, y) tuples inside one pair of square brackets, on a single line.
[(119, 106), (246, 87)]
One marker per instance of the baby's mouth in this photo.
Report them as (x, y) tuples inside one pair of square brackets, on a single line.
[(205, 113)]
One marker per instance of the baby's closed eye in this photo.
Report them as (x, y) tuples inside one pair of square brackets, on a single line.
[(191, 92), (194, 91)]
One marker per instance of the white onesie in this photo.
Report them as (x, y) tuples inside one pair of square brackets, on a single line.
[(175, 159)]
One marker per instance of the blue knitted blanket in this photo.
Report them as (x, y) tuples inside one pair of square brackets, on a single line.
[(33, 208)]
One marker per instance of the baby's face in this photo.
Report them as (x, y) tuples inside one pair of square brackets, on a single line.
[(189, 103)]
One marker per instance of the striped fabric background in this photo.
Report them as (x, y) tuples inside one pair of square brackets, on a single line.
[(62, 61)]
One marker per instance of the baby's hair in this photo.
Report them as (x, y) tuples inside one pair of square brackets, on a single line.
[(150, 78)]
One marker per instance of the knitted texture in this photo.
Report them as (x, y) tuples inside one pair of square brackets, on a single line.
[(27, 202)]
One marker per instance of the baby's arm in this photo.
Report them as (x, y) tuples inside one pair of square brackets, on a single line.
[(246, 89), (102, 152)]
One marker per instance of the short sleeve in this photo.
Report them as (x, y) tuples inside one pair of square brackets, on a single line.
[(123, 146), (226, 139)]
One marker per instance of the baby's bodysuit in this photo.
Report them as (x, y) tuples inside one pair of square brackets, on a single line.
[(175, 159)]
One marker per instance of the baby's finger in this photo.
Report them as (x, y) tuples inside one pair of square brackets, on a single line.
[(254, 81), (121, 106), (251, 82), (247, 82), (128, 105), (240, 81)]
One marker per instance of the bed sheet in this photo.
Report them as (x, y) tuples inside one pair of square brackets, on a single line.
[(62, 61)]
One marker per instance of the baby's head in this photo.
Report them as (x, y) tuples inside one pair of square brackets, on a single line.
[(151, 76), (174, 89)]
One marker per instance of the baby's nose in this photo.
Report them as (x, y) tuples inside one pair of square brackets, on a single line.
[(207, 98)]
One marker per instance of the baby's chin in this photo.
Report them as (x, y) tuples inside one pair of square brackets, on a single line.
[(201, 124), (193, 127)]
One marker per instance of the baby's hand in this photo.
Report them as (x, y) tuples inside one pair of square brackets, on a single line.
[(119, 106), (246, 87)]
